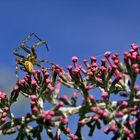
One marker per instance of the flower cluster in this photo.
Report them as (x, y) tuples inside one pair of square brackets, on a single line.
[(50, 108)]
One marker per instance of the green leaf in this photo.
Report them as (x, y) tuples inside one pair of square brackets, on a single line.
[(49, 132), (92, 129), (36, 131)]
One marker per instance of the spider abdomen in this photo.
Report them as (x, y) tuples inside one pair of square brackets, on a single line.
[(29, 66)]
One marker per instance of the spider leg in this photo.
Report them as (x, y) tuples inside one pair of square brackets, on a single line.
[(22, 68), (27, 37), (36, 45), (17, 71), (22, 46), (19, 55), (17, 68), (36, 36), (42, 67), (18, 62), (47, 61), (40, 40), (26, 48)]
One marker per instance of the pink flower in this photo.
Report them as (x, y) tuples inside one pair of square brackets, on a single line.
[(107, 54), (74, 58), (33, 97)]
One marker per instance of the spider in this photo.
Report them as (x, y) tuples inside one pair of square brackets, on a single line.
[(28, 62)]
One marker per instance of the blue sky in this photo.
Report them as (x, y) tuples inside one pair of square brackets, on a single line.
[(70, 27)]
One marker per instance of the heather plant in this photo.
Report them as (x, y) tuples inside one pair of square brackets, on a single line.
[(50, 109)]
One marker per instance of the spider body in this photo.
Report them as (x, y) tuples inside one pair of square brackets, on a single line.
[(27, 63), (29, 66)]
